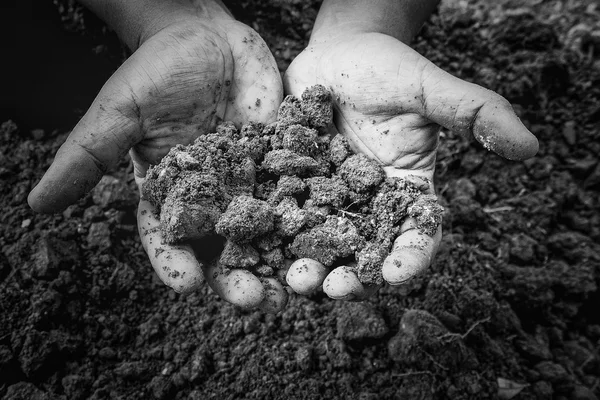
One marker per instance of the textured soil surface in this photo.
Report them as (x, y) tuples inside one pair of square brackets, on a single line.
[(509, 308)]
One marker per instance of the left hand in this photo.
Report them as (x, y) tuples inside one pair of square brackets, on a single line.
[(390, 103), (189, 72)]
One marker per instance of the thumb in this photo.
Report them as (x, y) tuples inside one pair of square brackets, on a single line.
[(100, 139), (472, 110)]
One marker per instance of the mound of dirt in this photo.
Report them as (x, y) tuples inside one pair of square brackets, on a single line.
[(287, 189)]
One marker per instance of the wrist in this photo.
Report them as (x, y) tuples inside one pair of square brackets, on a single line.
[(135, 21), (401, 19)]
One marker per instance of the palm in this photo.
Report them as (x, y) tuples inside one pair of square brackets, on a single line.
[(375, 98), (179, 84), (390, 103), (187, 78)]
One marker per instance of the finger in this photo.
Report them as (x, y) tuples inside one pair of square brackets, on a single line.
[(100, 139), (343, 284), (176, 266), (276, 297), (470, 109), (411, 254), (237, 286), (256, 90), (306, 275)]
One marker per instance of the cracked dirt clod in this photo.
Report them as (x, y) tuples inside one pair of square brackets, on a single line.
[(245, 219)]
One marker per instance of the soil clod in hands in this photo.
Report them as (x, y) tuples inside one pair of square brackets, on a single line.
[(287, 190)]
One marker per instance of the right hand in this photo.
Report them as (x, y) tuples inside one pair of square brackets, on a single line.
[(189, 74), (390, 102)]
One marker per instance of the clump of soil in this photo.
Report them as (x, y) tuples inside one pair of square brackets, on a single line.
[(286, 190)]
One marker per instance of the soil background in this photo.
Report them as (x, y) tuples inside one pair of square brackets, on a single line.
[(509, 309)]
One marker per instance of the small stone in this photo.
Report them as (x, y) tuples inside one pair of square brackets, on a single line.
[(26, 223)]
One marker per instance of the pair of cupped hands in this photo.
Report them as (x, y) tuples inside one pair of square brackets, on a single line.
[(191, 72)]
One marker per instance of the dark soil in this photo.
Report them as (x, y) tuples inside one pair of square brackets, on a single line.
[(511, 298)]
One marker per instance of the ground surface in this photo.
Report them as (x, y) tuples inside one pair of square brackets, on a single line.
[(513, 294)]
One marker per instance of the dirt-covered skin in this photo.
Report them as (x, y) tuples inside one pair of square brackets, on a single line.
[(513, 293)]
